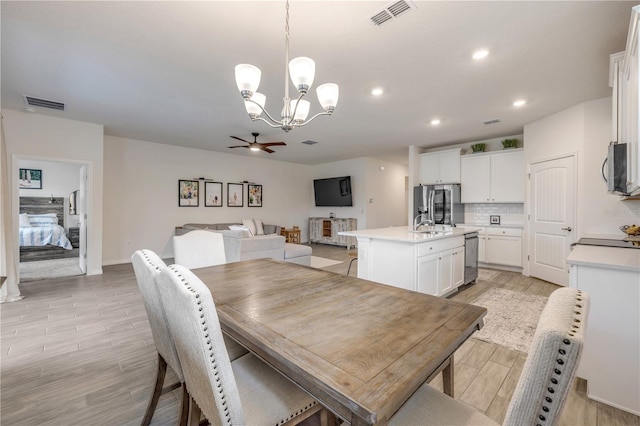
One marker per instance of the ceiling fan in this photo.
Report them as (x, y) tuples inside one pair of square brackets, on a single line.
[(257, 146)]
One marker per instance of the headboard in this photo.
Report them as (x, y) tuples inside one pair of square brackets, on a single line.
[(41, 205)]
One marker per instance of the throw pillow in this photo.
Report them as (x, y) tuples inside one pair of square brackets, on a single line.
[(259, 227), (251, 225), (24, 221)]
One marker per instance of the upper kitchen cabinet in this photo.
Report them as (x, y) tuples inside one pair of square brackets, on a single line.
[(496, 177), (440, 167), (623, 78)]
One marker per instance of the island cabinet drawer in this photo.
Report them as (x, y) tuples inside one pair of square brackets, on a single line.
[(505, 232), (430, 247), (451, 243)]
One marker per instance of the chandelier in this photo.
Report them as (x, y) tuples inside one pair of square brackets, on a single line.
[(294, 112)]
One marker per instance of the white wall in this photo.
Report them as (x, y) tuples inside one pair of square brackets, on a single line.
[(141, 185), (58, 179), (31, 136), (585, 130), (141, 193)]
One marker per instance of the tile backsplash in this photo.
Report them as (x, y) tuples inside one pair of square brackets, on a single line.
[(478, 214)]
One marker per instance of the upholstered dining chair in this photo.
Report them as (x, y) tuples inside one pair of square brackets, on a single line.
[(544, 382), (245, 391), (147, 265), (199, 248)]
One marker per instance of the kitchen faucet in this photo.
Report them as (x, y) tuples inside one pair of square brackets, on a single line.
[(421, 219)]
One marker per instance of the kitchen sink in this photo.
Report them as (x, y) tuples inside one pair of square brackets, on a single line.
[(429, 231)]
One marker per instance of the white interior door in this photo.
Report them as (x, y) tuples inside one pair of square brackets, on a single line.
[(82, 212), (552, 218)]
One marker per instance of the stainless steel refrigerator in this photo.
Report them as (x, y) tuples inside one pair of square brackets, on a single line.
[(441, 203)]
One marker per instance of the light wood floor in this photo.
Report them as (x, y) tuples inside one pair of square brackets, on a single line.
[(79, 351)]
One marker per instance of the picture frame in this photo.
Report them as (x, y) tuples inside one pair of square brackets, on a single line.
[(30, 179), (494, 220), (213, 194), (254, 195), (188, 193), (235, 194)]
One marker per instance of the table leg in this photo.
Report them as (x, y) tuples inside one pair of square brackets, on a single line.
[(447, 378)]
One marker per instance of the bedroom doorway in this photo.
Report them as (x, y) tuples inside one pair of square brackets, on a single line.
[(52, 217)]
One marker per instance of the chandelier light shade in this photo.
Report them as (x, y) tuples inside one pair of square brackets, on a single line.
[(294, 113)]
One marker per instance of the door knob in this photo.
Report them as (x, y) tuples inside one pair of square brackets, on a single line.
[(568, 228)]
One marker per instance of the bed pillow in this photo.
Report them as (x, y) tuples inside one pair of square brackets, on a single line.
[(43, 219), (251, 226), (24, 221)]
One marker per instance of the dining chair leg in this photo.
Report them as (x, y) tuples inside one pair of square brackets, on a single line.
[(157, 391), (184, 406), (194, 413), (350, 263), (327, 418)]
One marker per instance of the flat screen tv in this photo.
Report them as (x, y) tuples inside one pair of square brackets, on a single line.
[(333, 192)]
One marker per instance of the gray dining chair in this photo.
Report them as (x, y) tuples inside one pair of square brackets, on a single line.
[(245, 391), (544, 382), (147, 265), (199, 248)]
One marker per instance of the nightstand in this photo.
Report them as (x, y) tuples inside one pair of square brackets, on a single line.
[(74, 237)]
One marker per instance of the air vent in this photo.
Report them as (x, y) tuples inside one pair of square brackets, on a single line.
[(492, 121), (391, 11), (309, 142), (42, 103)]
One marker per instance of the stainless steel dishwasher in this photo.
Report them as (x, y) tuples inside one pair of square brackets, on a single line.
[(470, 257)]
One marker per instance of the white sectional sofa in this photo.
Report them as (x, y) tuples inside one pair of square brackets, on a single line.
[(240, 245)]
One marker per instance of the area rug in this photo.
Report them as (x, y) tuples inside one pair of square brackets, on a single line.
[(43, 269), (512, 318), (322, 262)]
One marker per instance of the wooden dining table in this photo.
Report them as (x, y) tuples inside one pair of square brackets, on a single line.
[(360, 348)]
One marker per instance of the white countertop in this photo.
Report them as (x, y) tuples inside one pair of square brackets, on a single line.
[(605, 257), (403, 234)]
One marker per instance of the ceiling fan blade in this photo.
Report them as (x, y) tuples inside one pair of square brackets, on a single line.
[(273, 144), (239, 146), (265, 149), (242, 140)]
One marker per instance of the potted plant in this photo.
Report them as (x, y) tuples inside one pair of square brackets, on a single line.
[(510, 143), (478, 147)]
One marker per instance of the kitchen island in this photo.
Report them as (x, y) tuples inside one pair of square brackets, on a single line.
[(431, 263)]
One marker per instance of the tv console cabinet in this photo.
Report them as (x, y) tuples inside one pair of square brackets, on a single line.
[(324, 230)]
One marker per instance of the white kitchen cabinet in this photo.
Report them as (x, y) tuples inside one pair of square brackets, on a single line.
[(428, 274), (440, 266), (624, 76), (440, 167), (503, 246), (493, 177), (611, 356), (482, 244)]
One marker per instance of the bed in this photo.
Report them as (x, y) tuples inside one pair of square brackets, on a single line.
[(42, 235)]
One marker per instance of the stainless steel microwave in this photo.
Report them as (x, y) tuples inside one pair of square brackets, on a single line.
[(616, 169)]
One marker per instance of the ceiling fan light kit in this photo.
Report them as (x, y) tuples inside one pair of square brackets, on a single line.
[(294, 113), (257, 146)]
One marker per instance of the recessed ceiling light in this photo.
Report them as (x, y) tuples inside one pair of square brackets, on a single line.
[(435, 121), (519, 103), (377, 91), (480, 54)]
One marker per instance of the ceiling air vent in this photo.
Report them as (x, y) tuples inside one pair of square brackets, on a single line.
[(43, 103), (391, 11), (309, 142), (492, 121)]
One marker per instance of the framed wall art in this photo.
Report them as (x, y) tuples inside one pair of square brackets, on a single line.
[(188, 193), (254, 195), (30, 179), (213, 194), (234, 194)]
